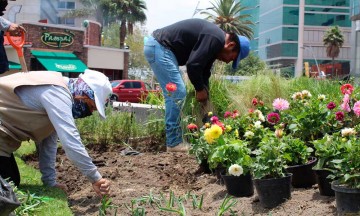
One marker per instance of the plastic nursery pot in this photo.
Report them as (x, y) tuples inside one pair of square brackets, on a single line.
[(303, 175), (239, 186), (273, 192), (204, 167), (347, 199), (324, 183)]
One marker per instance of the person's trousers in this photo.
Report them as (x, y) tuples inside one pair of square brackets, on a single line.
[(166, 69), (9, 169)]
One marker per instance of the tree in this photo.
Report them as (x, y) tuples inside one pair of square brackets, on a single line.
[(128, 13), (228, 15), (251, 65), (333, 40)]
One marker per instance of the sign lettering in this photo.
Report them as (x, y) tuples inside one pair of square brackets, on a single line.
[(57, 39)]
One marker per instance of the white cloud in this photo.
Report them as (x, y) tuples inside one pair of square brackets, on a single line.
[(161, 13)]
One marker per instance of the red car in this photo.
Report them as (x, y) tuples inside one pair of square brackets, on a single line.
[(133, 91)]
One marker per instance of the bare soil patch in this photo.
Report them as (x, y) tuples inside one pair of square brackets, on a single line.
[(134, 176)]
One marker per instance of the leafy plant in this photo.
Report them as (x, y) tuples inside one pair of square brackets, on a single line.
[(296, 152), (269, 161), (106, 204)]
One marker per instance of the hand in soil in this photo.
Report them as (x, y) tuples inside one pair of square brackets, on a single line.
[(102, 187)]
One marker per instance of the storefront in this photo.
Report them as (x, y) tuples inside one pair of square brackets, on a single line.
[(70, 51)]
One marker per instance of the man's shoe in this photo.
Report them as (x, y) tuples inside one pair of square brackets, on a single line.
[(182, 147)]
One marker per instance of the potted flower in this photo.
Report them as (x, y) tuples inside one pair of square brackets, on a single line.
[(327, 149), (298, 161), (271, 180), (346, 173), (234, 156)]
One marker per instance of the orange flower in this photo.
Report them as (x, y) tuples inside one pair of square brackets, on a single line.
[(171, 87)]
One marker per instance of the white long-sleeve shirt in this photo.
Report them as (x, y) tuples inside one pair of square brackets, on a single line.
[(57, 103), (4, 24)]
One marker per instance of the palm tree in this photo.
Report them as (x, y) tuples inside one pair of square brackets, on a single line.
[(333, 40), (227, 14), (128, 12)]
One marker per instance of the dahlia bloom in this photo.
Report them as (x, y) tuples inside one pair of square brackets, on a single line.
[(273, 118), (280, 104), (331, 105), (171, 87), (347, 89), (236, 170), (356, 108)]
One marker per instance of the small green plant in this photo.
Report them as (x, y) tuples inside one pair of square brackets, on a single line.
[(29, 202), (296, 152), (106, 204), (226, 205)]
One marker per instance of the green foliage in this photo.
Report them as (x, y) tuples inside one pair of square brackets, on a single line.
[(118, 127), (347, 166), (251, 65), (136, 45), (229, 16), (106, 205), (296, 152), (269, 162), (226, 205), (111, 35)]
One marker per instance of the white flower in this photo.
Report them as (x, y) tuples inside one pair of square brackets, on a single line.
[(249, 134), (321, 97), (236, 170), (348, 132), (296, 96), (260, 115), (306, 94), (257, 124)]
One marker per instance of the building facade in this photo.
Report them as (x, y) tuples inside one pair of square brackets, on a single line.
[(289, 33), (355, 33), (68, 47)]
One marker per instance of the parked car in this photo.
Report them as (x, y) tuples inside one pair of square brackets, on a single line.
[(133, 91)]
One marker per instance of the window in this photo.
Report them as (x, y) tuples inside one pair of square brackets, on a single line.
[(66, 5), (127, 85), (136, 84), (66, 21)]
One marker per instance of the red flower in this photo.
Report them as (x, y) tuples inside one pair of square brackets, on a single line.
[(261, 103), (192, 127), (346, 89), (331, 105), (251, 110), (339, 116), (171, 87), (273, 118), (254, 101)]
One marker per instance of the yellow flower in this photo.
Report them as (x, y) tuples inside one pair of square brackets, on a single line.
[(207, 125), (208, 136), (236, 133), (210, 114), (216, 131), (228, 128)]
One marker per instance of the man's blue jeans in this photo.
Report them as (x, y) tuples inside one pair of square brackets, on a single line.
[(166, 69)]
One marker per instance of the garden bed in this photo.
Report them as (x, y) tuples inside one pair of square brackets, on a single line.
[(135, 176)]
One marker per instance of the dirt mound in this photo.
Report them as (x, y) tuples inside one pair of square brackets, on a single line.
[(135, 176)]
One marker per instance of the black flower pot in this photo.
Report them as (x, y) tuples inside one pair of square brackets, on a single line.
[(303, 175), (239, 186), (273, 192), (220, 170), (324, 183), (347, 199), (204, 167)]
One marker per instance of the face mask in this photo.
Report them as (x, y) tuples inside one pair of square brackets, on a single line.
[(80, 109)]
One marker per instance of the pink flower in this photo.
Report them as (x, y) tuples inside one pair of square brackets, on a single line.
[(192, 127), (339, 116), (280, 104), (345, 105), (273, 118), (331, 105), (214, 119), (227, 114), (235, 114), (356, 108)]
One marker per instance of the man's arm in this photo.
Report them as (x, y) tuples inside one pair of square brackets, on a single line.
[(4, 24), (13, 28)]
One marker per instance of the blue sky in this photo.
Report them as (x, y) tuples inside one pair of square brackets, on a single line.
[(161, 13)]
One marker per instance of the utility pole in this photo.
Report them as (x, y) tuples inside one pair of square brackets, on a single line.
[(300, 59)]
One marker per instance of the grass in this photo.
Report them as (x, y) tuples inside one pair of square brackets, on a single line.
[(56, 200)]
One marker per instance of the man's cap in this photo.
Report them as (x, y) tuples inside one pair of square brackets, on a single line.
[(244, 50), (101, 86)]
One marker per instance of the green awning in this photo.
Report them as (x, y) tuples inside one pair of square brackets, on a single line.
[(60, 61), (14, 66)]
